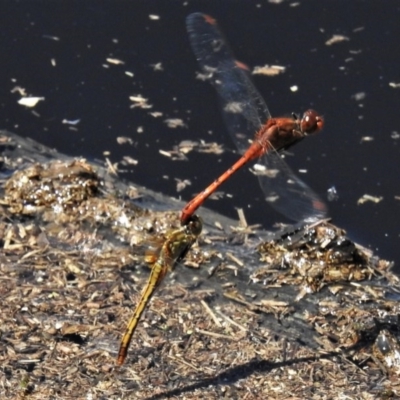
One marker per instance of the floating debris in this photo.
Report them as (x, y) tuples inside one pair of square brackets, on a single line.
[(367, 139), (175, 123), (359, 96), (51, 37), (115, 61), (269, 70), (71, 122), (30, 101), (366, 197), (140, 101), (332, 194), (124, 140), (182, 184), (156, 114), (129, 160), (157, 67), (336, 39), (20, 90)]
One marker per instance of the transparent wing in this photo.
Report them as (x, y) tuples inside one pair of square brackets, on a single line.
[(244, 109), (287, 193)]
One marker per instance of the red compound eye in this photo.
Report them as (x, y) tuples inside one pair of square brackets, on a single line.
[(311, 122)]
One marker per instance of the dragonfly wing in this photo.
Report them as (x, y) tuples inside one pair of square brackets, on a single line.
[(243, 107), (287, 193)]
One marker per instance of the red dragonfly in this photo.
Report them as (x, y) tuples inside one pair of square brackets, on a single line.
[(249, 121)]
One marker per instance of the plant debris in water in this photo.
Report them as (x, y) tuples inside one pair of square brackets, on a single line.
[(306, 314)]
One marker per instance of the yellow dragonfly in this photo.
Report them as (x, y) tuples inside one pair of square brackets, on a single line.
[(174, 248)]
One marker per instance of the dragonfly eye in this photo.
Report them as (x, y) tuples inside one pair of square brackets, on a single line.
[(195, 225), (311, 122)]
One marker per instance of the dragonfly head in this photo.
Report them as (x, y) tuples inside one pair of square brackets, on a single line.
[(311, 122), (194, 225)]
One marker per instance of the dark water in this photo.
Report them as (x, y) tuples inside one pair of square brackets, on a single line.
[(348, 82)]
